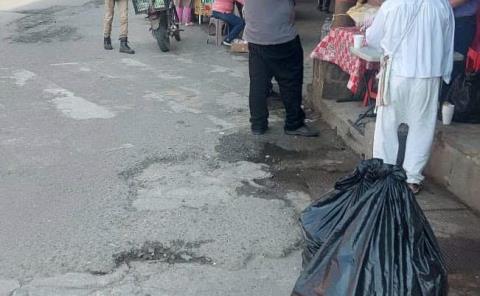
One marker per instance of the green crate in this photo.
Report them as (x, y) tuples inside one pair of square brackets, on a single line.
[(159, 4), (142, 6)]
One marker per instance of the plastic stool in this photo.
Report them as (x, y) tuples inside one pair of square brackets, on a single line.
[(221, 28)]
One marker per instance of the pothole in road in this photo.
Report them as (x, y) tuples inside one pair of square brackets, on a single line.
[(41, 25), (49, 34), (188, 181), (173, 253)]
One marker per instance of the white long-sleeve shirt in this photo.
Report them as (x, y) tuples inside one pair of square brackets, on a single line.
[(427, 50)]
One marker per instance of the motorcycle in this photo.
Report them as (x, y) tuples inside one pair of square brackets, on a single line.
[(163, 18)]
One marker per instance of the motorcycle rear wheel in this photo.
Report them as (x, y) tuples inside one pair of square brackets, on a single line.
[(162, 35), (163, 40)]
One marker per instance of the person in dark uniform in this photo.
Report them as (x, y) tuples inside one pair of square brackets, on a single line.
[(275, 51)]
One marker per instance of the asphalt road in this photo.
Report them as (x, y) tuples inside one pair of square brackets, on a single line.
[(137, 174)]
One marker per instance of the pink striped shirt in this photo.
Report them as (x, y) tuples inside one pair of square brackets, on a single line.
[(224, 6)]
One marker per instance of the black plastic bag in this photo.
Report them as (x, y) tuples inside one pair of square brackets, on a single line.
[(321, 217), (379, 244), (465, 95), (383, 245)]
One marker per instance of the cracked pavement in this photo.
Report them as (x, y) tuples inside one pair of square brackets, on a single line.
[(137, 175)]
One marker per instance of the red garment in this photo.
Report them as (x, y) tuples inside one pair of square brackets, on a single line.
[(225, 6), (476, 41), (473, 56)]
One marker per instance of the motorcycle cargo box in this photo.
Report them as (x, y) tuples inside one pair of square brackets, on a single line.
[(141, 6)]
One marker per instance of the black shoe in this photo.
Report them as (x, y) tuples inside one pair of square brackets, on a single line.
[(303, 131), (259, 132), (124, 46), (107, 43)]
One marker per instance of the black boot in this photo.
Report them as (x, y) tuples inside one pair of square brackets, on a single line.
[(107, 43), (124, 46)]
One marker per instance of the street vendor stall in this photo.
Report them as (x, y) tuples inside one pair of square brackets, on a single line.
[(335, 48), (334, 53), (334, 67), (203, 8)]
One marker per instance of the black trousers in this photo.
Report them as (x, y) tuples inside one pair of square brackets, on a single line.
[(324, 5), (285, 63)]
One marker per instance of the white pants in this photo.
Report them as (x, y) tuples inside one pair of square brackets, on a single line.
[(413, 101)]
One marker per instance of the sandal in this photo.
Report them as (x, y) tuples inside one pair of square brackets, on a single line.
[(415, 188)]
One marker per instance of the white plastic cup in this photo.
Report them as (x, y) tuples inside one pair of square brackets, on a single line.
[(358, 41), (447, 113)]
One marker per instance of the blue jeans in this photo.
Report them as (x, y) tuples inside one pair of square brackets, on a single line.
[(235, 23)]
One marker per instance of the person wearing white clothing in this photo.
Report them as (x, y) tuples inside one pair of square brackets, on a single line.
[(417, 35)]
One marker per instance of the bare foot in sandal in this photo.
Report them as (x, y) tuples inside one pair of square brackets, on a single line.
[(416, 188)]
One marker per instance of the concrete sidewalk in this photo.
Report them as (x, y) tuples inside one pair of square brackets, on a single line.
[(455, 224), (452, 190)]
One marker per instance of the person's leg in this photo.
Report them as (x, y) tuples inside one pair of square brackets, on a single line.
[(326, 5), (236, 25), (187, 12), (421, 113), (107, 24), (108, 18), (269, 87), (123, 7), (389, 117), (271, 93), (179, 9), (286, 61), (259, 77)]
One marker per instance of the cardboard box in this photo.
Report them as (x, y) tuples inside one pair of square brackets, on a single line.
[(241, 47)]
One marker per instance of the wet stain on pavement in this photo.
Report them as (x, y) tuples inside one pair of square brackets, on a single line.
[(313, 170)]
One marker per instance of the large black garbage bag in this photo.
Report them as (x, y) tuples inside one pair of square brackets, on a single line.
[(382, 245), (321, 217)]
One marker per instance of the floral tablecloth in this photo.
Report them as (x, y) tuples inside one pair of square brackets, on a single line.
[(335, 48)]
